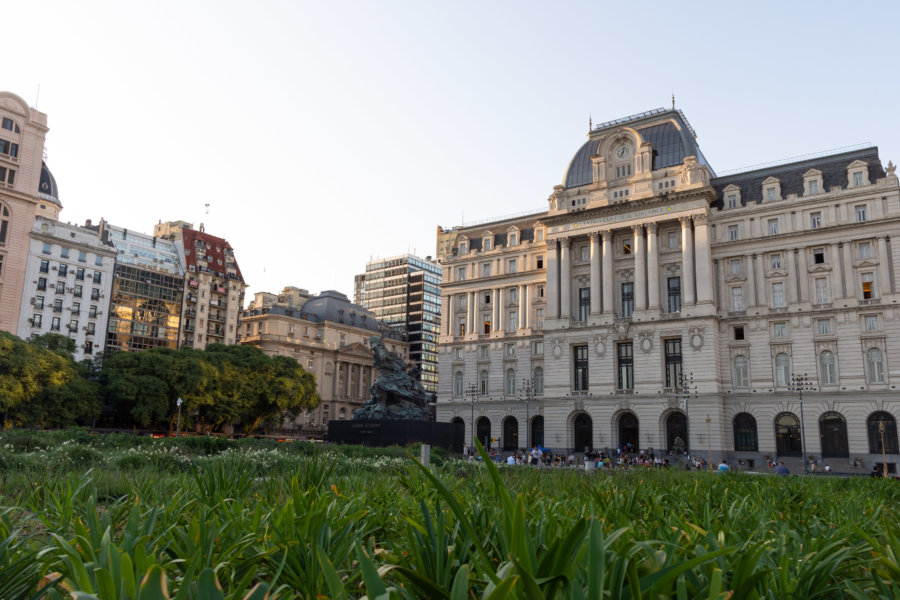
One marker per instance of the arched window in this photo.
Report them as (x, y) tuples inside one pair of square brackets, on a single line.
[(676, 427), (874, 366), (833, 432), (458, 384), (826, 368), (510, 382), (483, 383), (483, 431), (741, 378), (782, 370), (582, 433), (874, 422), (787, 435), (538, 381), (510, 433), (4, 222), (745, 438)]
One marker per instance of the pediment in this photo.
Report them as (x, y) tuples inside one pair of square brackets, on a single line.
[(812, 173), (356, 349), (865, 262), (731, 188), (857, 164), (735, 277), (776, 273), (771, 181), (819, 268)]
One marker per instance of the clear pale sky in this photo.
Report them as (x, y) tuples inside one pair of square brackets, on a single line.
[(326, 133)]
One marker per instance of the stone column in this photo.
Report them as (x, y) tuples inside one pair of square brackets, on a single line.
[(471, 310), (523, 306), (884, 273), (760, 274), (802, 274), (687, 260), (595, 274), (703, 258), (853, 284), (652, 267), (447, 313), (497, 316), (552, 280), (360, 392), (607, 272), (565, 281), (640, 268), (788, 264), (752, 292), (837, 288)]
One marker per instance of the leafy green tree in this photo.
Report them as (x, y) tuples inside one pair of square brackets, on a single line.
[(28, 370)]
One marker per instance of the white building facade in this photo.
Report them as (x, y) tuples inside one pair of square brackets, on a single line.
[(654, 300)]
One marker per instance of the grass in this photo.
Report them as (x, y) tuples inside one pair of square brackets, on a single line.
[(128, 518)]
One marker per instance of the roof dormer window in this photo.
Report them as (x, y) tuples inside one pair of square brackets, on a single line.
[(771, 189), (857, 174), (732, 196), (486, 244)]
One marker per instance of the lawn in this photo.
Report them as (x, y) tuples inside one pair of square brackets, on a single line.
[(122, 517)]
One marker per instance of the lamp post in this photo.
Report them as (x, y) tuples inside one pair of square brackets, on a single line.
[(178, 403), (527, 389), (883, 452), (708, 443), (687, 387), (799, 384), (472, 392)]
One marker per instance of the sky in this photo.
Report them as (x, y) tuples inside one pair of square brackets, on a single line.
[(317, 135)]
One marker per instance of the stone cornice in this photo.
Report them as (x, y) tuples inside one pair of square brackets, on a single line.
[(611, 210)]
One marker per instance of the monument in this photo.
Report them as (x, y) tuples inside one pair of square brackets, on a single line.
[(398, 411)]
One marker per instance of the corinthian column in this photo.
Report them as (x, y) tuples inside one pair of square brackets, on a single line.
[(565, 280), (703, 259), (552, 279), (595, 274), (640, 268), (652, 267), (687, 259), (607, 273)]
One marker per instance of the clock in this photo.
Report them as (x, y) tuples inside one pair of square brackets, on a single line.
[(621, 151)]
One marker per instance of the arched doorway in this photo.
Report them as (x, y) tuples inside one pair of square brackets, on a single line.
[(582, 432), (833, 434), (459, 434), (787, 435), (875, 420), (483, 431), (745, 438), (510, 433), (628, 432), (676, 427), (537, 431)]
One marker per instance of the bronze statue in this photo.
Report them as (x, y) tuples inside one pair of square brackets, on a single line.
[(396, 393)]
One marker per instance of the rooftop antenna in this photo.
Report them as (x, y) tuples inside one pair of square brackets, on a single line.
[(590, 122), (673, 99)]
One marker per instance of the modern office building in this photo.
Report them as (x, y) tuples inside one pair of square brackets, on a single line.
[(403, 292), (753, 315), (68, 278), (329, 337), (147, 292), (214, 287)]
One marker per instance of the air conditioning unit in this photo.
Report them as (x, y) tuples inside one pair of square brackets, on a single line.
[(32, 300), (53, 268)]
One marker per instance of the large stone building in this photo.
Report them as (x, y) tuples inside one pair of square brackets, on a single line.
[(403, 293), (68, 279), (329, 337), (655, 300), (214, 287)]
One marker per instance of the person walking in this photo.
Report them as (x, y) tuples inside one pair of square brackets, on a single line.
[(781, 469)]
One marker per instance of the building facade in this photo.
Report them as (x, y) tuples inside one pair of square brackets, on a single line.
[(403, 292), (655, 300), (329, 336), (68, 278), (214, 287), (147, 292)]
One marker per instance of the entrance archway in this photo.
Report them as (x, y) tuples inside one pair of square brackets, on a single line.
[(537, 431), (833, 434), (582, 432), (510, 433), (676, 427), (787, 435), (483, 431), (628, 432), (459, 434)]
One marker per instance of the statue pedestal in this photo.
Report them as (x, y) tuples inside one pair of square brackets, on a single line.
[(397, 433)]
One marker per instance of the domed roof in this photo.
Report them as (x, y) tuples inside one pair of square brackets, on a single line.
[(47, 189), (334, 306)]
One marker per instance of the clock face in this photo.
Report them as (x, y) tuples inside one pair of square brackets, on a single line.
[(621, 151)]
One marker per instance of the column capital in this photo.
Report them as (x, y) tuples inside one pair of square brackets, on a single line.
[(701, 219), (594, 235), (637, 229), (606, 234), (651, 227), (685, 221)]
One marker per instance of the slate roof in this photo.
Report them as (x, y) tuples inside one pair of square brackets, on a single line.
[(334, 306), (833, 168), (215, 252)]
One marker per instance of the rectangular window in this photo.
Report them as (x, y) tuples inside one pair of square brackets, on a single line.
[(735, 266), (625, 356), (674, 288), (823, 326), (819, 256), (512, 295), (775, 261), (857, 179), (98, 277), (539, 291), (673, 239), (95, 294), (60, 287), (486, 324), (815, 220), (773, 226), (92, 311), (91, 328), (539, 319), (463, 247), (737, 299), (486, 270), (54, 324), (39, 302), (63, 270), (732, 200), (512, 321), (98, 261), (45, 266), (460, 273), (538, 348), (457, 353), (64, 252), (461, 326), (42, 283), (76, 308), (861, 213), (865, 250), (780, 330), (36, 320), (486, 244), (57, 305), (539, 235), (581, 368), (509, 349), (627, 299), (73, 325), (733, 233), (584, 304), (513, 238), (814, 187), (673, 363), (867, 280), (539, 262), (79, 273), (822, 290), (513, 265), (871, 323), (486, 298), (77, 293), (738, 333), (626, 246), (82, 257), (46, 249), (778, 295), (770, 194), (585, 254)]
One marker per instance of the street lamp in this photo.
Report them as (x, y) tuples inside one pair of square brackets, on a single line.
[(528, 390), (883, 452), (472, 392), (687, 388), (178, 403), (799, 384)]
